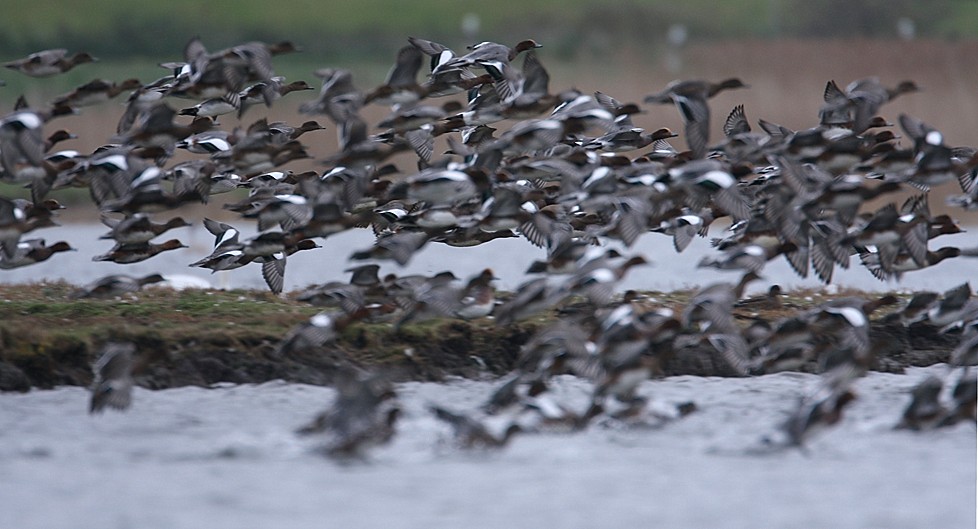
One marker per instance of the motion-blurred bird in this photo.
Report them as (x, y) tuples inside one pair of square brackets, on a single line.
[(113, 383)]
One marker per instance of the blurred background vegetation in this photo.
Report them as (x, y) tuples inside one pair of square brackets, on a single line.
[(131, 37), (370, 29)]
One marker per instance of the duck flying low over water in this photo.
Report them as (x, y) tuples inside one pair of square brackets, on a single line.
[(822, 407), (363, 415), (578, 176), (470, 433), (112, 387)]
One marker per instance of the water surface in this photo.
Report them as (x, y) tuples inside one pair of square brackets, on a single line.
[(508, 258), (226, 457)]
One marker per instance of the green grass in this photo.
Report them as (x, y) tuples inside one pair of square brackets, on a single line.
[(45, 309), (37, 310), (374, 28), (53, 340), (207, 336)]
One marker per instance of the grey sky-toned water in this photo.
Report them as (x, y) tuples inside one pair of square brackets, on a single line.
[(227, 457), (508, 258)]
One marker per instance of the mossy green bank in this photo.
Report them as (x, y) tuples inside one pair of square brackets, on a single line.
[(203, 337)]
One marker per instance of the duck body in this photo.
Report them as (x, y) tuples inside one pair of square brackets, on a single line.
[(47, 63), (115, 285), (134, 253), (32, 251)]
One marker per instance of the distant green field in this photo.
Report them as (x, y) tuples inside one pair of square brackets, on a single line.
[(371, 28)]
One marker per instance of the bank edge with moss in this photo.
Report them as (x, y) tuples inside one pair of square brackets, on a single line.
[(203, 337)]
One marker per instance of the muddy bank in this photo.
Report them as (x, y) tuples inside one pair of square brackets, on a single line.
[(203, 337)]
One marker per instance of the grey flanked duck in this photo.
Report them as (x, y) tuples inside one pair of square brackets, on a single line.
[(138, 228), (441, 297), (338, 98), (822, 407), (862, 99), (364, 289), (624, 136), (690, 98), (31, 251), (363, 415), (134, 253), (14, 222), (491, 56), (22, 147), (712, 306), (49, 62), (256, 94), (934, 163), (115, 285), (212, 108), (470, 432), (318, 331), (154, 126), (112, 387), (442, 82), (95, 92), (925, 408), (401, 86)]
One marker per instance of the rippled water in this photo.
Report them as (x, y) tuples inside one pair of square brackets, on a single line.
[(226, 457), (508, 258)]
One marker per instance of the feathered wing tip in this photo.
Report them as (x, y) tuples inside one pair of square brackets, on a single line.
[(405, 71), (696, 117), (915, 242), (736, 122), (734, 350), (40, 187), (683, 236), (112, 394), (428, 47), (273, 272), (731, 200), (823, 263), (774, 130), (422, 142), (798, 259), (632, 223), (832, 92)]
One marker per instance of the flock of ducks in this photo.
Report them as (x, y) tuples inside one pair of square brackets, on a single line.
[(570, 173)]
